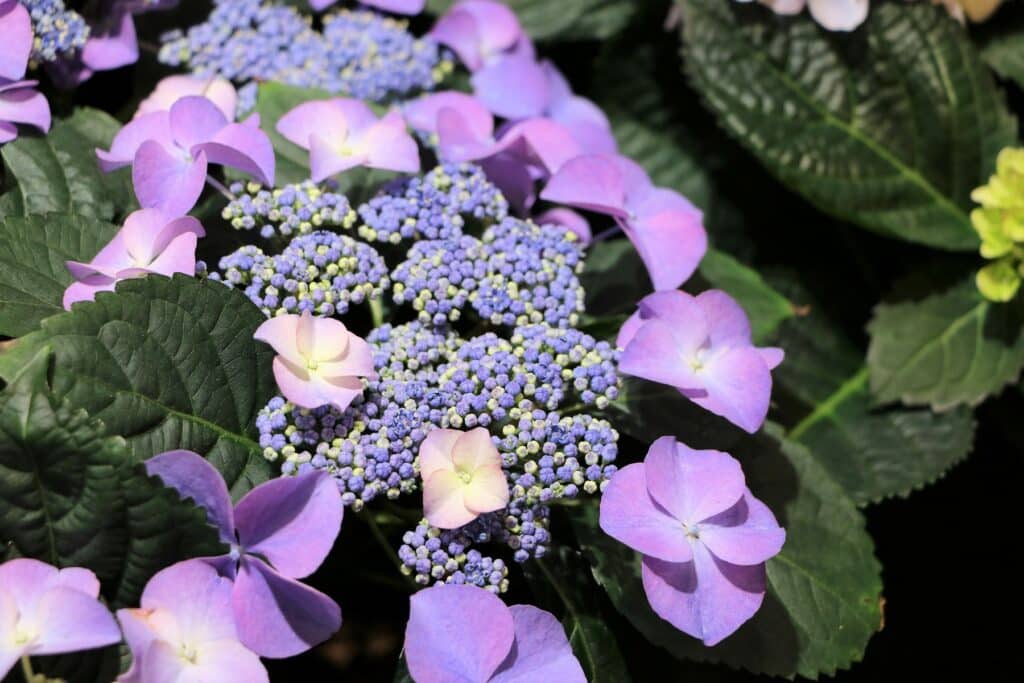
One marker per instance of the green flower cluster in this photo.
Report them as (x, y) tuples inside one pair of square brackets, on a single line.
[(1000, 223)]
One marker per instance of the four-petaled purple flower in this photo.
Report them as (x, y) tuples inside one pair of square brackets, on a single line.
[(703, 536), (702, 346), (151, 241), (396, 6), (465, 633), (344, 133), (169, 152), (185, 630), (47, 611), (666, 229), (19, 100), (280, 531)]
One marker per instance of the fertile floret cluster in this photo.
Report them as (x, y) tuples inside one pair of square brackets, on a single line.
[(358, 53), (434, 207), (291, 210), (320, 272), (431, 555), (58, 32)]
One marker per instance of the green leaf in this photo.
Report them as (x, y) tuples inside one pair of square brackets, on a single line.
[(33, 276), (948, 349), (562, 577), (824, 589), (1001, 41), (167, 364), (74, 496), (58, 172), (889, 127), (565, 19)]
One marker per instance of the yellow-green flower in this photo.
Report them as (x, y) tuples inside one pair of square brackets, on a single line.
[(1000, 224)]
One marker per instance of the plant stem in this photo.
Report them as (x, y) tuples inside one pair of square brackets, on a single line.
[(610, 232), (382, 541), (219, 186), (377, 312), (26, 670)]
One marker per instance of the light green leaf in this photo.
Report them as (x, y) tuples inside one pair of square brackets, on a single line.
[(565, 19), (824, 588), (167, 364), (1002, 43), (889, 127), (33, 277), (948, 349), (58, 172), (74, 496)]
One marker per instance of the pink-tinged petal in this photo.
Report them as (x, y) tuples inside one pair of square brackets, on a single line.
[(487, 491), (27, 106), (325, 160), (73, 621), (746, 534), (458, 30), (178, 257), (457, 141), (159, 663), (387, 145), (172, 88), (8, 132), (297, 385), (512, 74), (738, 386), (193, 477), (9, 652), (436, 452), (355, 359), (457, 634), (497, 24), (785, 7), (320, 117), (341, 391), (244, 148), (511, 175), (444, 504), (772, 356), (629, 329), (692, 485), (681, 312), (669, 235), (707, 598), (198, 598), (86, 290), (138, 636), (141, 238), (422, 113), (282, 334), (591, 182), (291, 521), (229, 660), (653, 354), (79, 579), (16, 29), (155, 126), (357, 114), (839, 15), (728, 322), (277, 617), (195, 120), (319, 5), (630, 516), (165, 181), (113, 46), (25, 579), (542, 651), (173, 228), (474, 449), (568, 219), (397, 6), (547, 142)]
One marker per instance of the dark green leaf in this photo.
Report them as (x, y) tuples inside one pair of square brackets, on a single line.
[(945, 350), (167, 364), (824, 590), (74, 496), (890, 127), (565, 19), (58, 172), (33, 276)]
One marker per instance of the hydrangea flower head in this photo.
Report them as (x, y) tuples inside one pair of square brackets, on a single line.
[(467, 634), (462, 477), (278, 532), (184, 630), (1000, 224), (319, 362), (47, 611), (664, 226), (702, 346), (169, 152), (172, 88), (703, 536), (151, 241)]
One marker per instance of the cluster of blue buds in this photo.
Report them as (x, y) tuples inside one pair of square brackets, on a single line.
[(358, 53), (291, 210), (320, 272), (59, 32), (431, 555), (434, 207), (439, 277)]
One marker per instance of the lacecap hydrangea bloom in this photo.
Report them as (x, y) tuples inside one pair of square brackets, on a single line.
[(1000, 224)]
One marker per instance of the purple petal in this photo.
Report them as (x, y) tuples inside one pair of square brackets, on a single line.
[(388, 145), (227, 661), (738, 387), (25, 105), (422, 113), (73, 621), (16, 28), (547, 142), (727, 320), (772, 356), (397, 6), (591, 182), (277, 617), (241, 147), (112, 46), (707, 598), (154, 126), (457, 30), (457, 139), (197, 596), (683, 314), (568, 219), (692, 485), (512, 176), (507, 74), (496, 23), (630, 516), (541, 651), (325, 160), (457, 633), (165, 181), (588, 124), (320, 117), (195, 120), (291, 521), (178, 257), (193, 477), (653, 353), (86, 290), (8, 132), (669, 235), (745, 534)]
